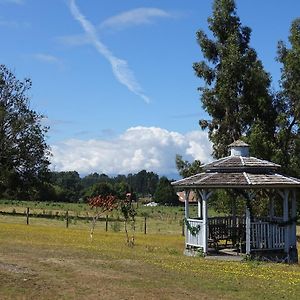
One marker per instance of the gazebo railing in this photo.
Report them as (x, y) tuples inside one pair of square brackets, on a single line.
[(219, 228), (226, 228), (263, 234), (267, 236), (195, 237)]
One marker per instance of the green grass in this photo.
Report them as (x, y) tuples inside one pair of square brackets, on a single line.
[(83, 208), (160, 219), (161, 226), (19, 206), (46, 261)]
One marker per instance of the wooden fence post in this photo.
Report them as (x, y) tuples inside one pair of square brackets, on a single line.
[(183, 227), (145, 226), (27, 216), (106, 223), (67, 219)]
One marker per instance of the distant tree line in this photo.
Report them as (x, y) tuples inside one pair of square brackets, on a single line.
[(68, 186)]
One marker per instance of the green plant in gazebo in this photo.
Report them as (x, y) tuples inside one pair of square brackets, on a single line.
[(194, 230)]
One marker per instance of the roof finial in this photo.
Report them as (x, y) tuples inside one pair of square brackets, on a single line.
[(239, 148)]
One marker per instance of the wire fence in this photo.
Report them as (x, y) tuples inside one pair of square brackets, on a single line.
[(111, 223)]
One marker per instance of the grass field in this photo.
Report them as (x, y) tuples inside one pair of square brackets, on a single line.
[(162, 219), (82, 208), (47, 261)]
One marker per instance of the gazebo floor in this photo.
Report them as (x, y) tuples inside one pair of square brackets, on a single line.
[(227, 254)]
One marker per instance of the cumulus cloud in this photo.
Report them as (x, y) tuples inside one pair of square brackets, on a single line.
[(119, 66), (150, 148)]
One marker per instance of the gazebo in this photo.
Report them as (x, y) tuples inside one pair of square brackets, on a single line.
[(272, 236)]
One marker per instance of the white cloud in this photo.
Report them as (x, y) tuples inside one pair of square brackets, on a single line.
[(150, 148), (119, 66), (73, 40), (46, 58), (133, 17)]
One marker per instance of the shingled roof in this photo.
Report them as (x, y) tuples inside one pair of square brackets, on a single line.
[(237, 171), (240, 163), (238, 143), (237, 180)]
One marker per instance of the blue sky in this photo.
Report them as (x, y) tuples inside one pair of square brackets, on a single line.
[(115, 78)]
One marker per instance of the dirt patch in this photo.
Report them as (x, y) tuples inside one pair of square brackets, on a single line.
[(14, 268), (91, 268)]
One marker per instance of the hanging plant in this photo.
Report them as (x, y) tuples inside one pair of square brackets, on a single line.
[(194, 230)]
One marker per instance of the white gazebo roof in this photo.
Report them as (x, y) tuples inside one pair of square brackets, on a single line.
[(239, 171), (244, 180)]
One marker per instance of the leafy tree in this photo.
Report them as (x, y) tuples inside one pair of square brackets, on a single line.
[(165, 193), (108, 202), (143, 182), (236, 90), (102, 188), (46, 192), (90, 179), (104, 178), (101, 204), (289, 103), (69, 180), (152, 181), (24, 154), (128, 211), (120, 178), (186, 168), (69, 183), (69, 187), (121, 189)]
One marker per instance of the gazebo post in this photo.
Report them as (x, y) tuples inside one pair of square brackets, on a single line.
[(285, 197), (205, 195), (200, 211), (205, 233), (285, 219), (186, 209), (248, 230), (234, 223), (200, 205), (293, 216), (248, 223), (271, 208)]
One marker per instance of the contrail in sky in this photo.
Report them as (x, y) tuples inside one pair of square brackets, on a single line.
[(119, 66)]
